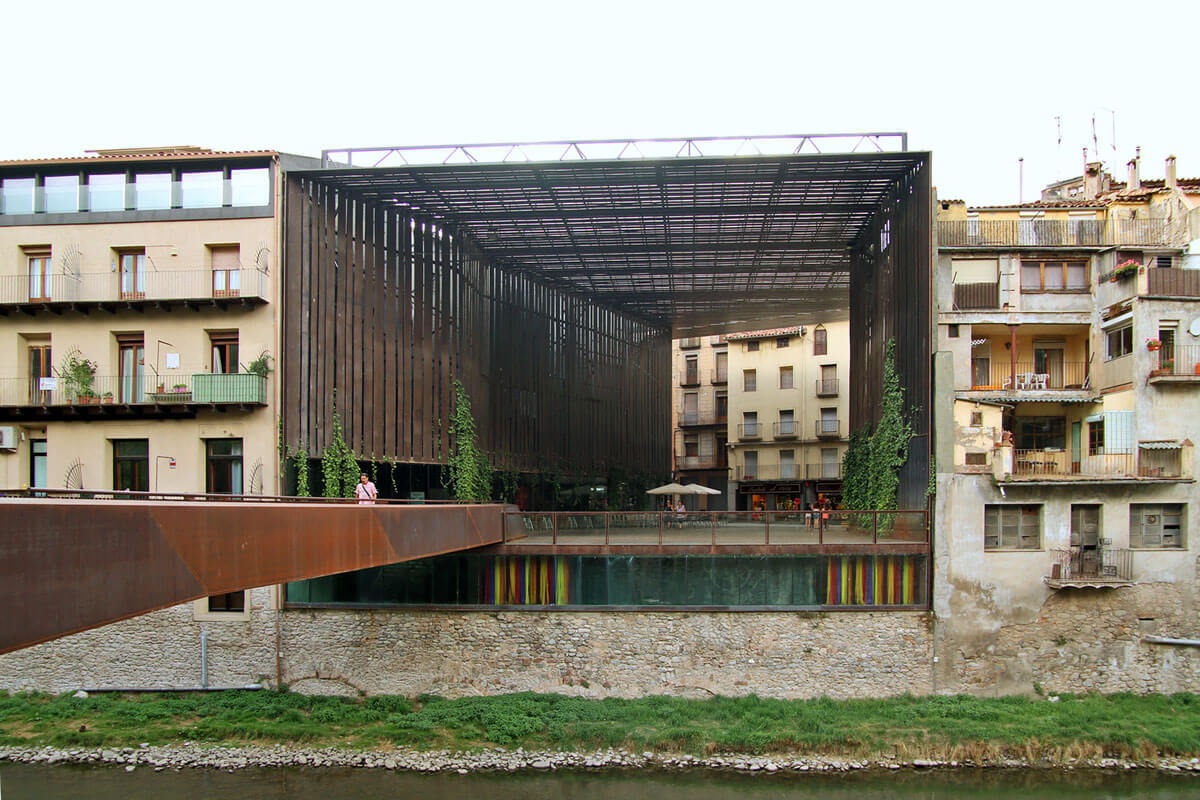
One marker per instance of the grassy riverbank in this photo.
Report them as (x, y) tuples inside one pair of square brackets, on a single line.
[(945, 727)]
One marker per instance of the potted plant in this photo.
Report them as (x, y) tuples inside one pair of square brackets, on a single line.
[(180, 387), (79, 377), (1167, 367), (1126, 269), (1153, 344), (108, 398), (260, 366)]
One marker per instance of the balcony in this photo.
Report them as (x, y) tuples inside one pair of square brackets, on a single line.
[(125, 397), (767, 472), (1068, 376), (823, 472), (786, 429), (997, 233), (827, 387), (749, 431), (828, 428), (1087, 568), (1173, 282), (690, 343), (1153, 460), (697, 419), (1177, 363), (689, 378), (715, 461), (111, 291), (719, 377), (976, 296)]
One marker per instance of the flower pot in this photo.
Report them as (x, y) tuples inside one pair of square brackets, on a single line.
[(1152, 347)]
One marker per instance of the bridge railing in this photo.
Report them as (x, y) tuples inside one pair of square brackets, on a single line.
[(120, 494)]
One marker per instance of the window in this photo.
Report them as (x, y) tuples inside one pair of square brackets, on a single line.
[(40, 367), (106, 193), (1096, 438), (131, 360), (1039, 433), (691, 445), (223, 458), (976, 419), (250, 187), (202, 189), (722, 406), (1085, 525), (691, 412), (233, 601), (133, 274), (1153, 525), (689, 343), (62, 193), (691, 372), (828, 424), (785, 377), (787, 464), (749, 380), (722, 375), (38, 456), (750, 461), (981, 372), (782, 342), (751, 347), (152, 191), (1012, 527), (40, 270), (976, 459), (750, 423), (952, 331), (1054, 276), (1162, 262), (16, 195), (820, 342), (1120, 342), (224, 352), (226, 270), (787, 422), (829, 383), (131, 465)]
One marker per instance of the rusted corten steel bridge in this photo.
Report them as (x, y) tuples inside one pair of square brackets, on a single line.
[(551, 289), (67, 565)]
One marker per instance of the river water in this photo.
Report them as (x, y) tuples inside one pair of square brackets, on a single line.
[(18, 781)]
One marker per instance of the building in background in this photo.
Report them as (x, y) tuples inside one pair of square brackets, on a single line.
[(1069, 378), (700, 408), (788, 415)]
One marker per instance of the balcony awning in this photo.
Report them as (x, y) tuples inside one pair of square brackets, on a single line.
[(1160, 445), (1028, 397)]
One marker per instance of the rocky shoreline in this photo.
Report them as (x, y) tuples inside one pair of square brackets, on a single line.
[(190, 755)]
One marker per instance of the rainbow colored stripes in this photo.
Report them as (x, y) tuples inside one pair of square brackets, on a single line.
[(527, 581), (871, 581)]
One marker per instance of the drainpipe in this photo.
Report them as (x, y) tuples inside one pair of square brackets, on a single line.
[(1165, 640), (204, 659)]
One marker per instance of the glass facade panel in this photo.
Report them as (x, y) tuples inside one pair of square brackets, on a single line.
[(16, 196), (152, 191), (106, 193), (657, 581), (202, 189), (62, 194), (250, 187)]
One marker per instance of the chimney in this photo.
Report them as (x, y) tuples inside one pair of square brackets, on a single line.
[(1171, 181), (1134, 182), (1093, 183)]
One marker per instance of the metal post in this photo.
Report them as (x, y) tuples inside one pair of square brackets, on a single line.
[(204, 659), (554, 527), (767, 521), (660, 521), (606, 517), (712, 518)]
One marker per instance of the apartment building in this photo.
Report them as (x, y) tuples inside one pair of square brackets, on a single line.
[(138, 321), (700, 408), (788, 415), (1068, 378)]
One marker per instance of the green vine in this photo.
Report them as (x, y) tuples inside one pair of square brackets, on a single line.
[(300, 462), (468, 473), (509, 483), (871, 466), (339, 467)]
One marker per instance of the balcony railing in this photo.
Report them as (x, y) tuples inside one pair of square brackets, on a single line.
[(1173, 282), (750, 430), (823, 471), (769, 472), (144, 389), (1091, 566), (116, 287), (1150, 461), (828, 428), (1051, 232), (968, 296), (1178, 360), (787, 429), (1070, 375), (689, 378), (827, 387), (720, 376), (715, 461)]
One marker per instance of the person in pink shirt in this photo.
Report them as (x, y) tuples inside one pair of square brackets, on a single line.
[(365, 490)]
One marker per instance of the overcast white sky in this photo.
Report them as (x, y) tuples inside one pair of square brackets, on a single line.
[(978, 84)]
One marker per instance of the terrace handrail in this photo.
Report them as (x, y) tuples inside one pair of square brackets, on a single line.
[(193, 283), (189, 497), (1053, 232), (1092, 565)]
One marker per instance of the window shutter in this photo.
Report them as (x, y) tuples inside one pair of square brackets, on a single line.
[(1118, 432)]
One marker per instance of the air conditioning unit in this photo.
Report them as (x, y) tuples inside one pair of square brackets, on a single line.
[(8, 438)]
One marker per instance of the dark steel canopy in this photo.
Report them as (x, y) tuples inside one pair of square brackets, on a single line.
[(694, 244)]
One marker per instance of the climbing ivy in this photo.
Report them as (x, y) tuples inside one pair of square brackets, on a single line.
[(339, 467), (871, 466), (469, 476), (300, 462)]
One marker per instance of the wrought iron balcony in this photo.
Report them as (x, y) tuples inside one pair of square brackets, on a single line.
[(719, 377), (750, 431), (1152, 460), (828, 428), (823, 471), (220, 288), (1095, 568), (827, 387), (786, 429)]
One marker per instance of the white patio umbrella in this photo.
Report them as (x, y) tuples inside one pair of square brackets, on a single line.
[(695, 488), (670, 488)]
